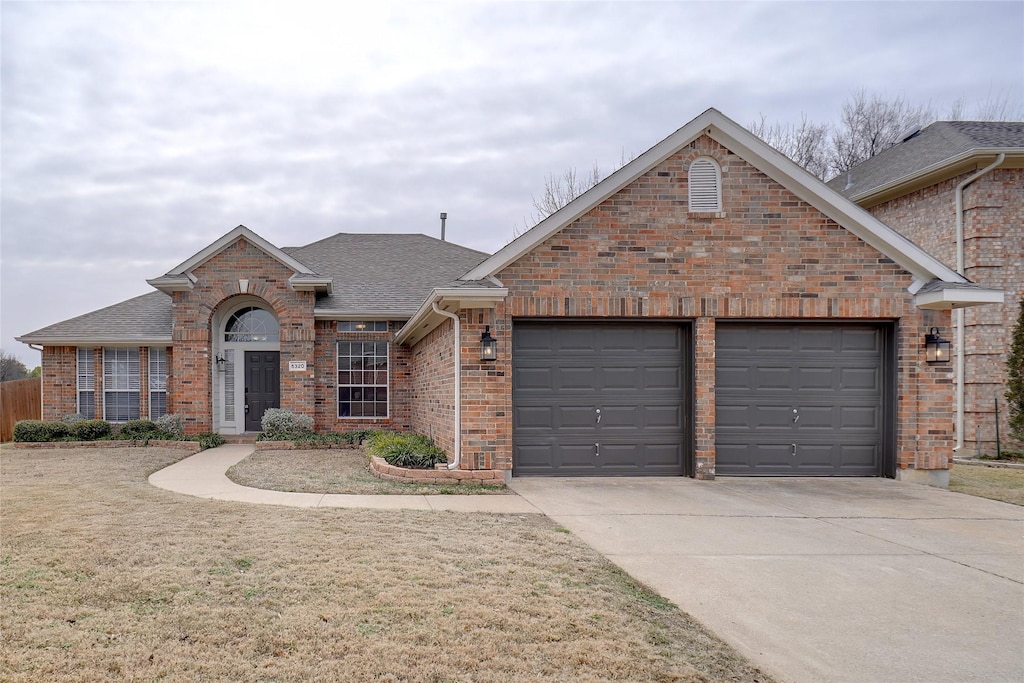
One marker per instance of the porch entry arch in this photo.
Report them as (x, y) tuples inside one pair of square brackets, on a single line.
[(246, 364)]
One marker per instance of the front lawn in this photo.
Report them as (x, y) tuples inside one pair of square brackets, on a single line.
[(104, 577), (997, 483)]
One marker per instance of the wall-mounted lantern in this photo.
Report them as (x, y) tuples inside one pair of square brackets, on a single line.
[(936, 349), (221, 362), (488, 345)]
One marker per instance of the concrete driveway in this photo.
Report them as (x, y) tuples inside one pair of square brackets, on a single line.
[(819, 579)]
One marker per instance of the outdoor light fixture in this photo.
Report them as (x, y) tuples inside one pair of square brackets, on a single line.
[(220, 363), (488, 345), (936, 349)]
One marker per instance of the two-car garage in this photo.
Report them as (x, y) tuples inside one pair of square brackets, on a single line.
[(617, 398)]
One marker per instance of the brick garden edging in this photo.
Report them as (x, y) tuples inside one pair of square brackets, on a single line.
[(192, 446), (440, 475)]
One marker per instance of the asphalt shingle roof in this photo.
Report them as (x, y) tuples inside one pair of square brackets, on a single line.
[(932, 145), (373, 274), (144, 317)]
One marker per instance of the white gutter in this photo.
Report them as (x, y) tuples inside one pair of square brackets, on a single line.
[(960, 355), (458, 383)]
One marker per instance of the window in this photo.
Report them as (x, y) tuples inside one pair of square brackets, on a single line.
[(157, 383), (362, 379), (705, 186), (362, 326), (86, 384), (252, 324), (120, 384)]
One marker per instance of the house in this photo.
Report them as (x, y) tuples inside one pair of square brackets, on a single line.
[(957, 189), (709, 308)]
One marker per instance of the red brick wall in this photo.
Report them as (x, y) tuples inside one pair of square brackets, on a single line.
[(432, 386), (994, 257), (59, 368), (189, 386), (641, 254)]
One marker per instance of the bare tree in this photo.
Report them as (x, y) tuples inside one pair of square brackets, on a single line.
[(11, 368), (804, 143), (871, 124)]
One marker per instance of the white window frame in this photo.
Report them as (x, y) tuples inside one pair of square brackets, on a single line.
[(116, 382), (362, 326), (86, 382), (704, 185), (157, 378), (361, 385)]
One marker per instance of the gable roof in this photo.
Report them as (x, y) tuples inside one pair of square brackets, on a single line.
[(180, 277), (943, 147), (146, 319), (924, 267), (382, 275)]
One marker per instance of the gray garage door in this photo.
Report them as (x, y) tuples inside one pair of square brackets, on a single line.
[(599, 399), (800, 399)]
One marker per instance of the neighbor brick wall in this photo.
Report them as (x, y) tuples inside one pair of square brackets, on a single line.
[(217, 281), (994, 257), (640, 254)]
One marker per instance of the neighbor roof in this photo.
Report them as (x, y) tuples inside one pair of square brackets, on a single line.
[(940, 145)]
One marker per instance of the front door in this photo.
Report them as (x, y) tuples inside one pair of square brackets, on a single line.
[(262, 386)]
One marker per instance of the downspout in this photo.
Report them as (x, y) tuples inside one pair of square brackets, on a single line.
[(960, 355), (454, 465)]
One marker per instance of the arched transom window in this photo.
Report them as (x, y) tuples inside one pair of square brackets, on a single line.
[(252, 324)]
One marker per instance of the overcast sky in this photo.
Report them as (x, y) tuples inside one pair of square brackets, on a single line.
[(134, 134)]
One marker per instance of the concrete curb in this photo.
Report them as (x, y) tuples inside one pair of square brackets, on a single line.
[(203, 475)]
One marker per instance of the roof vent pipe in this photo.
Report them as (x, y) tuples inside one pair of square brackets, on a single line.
[(444, 217)]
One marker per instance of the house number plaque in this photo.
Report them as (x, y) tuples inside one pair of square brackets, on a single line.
[(296, 366)]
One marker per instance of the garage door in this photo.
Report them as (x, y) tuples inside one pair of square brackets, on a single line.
[(599, 399), (800, 399)]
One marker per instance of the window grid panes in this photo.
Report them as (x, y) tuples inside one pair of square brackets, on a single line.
[(120, 384), (362, 379), (157, 383), (86, 384), (252, 324)]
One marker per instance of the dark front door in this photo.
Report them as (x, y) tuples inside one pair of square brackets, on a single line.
[(262, 386), (600, 398)]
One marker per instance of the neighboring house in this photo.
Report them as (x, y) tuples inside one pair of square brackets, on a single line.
[(708, 308), (957, 189)]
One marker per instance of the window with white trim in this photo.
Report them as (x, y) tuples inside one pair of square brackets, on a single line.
[(120, 384), (86, 384), (252, 324), (363, 379), (157, 383), (362, 326), (705, 186)]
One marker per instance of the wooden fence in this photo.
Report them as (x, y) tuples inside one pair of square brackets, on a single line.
[(19, 400)]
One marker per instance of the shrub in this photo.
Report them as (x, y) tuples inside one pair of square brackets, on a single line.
[(170, 424), (90, 430), (208, 440), (31, 431), (285, 425), (72, 418), (139, 429), (1015, 377), (406, 450)]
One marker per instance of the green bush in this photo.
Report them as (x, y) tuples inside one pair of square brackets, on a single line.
[(34, 431), (72, 418), (208, 440), (285, 425), (406, 450), (139, 429), (90, 430)]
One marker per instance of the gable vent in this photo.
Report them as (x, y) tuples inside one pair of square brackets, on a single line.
[(705, 184)]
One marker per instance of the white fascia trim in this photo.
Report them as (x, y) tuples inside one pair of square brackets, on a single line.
[(979, 153), (947, 299), (78, 341), (760, 155), (323, 284), (228, 239), (460, 297), (175, 283)]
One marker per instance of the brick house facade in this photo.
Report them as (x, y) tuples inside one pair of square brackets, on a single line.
[(708, 309), (913, 188)]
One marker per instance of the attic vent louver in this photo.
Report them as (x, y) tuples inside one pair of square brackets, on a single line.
[(705, 183)]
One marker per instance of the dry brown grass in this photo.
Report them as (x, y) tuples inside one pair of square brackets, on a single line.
[(343, 470), (103, 577), (997, 483)]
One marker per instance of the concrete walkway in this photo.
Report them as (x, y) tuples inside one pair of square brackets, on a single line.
[(860, 580), (203, 475)]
